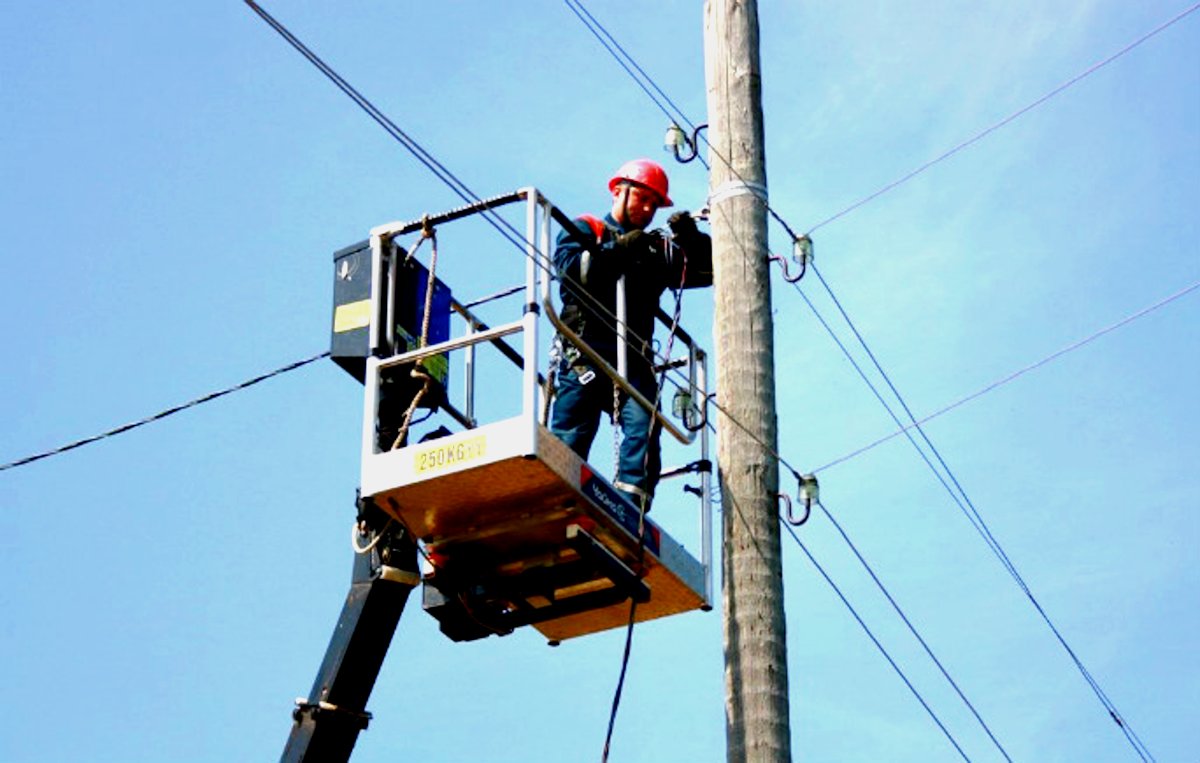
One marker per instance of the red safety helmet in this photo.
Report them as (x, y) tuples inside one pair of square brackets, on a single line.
[(645, 173)]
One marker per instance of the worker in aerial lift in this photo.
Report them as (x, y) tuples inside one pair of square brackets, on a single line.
[(651, 264)]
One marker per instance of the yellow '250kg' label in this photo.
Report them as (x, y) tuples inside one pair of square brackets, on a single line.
[(438, 457)]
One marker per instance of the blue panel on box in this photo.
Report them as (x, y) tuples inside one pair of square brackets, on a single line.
[(412, 288)]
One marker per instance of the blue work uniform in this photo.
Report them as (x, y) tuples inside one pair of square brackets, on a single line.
[(588, 292)]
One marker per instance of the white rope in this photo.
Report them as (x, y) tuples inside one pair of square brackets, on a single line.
[(354, 533)]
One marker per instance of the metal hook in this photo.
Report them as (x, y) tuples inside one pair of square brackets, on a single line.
[(703, 410), (788, 513), (802, 252), (784, 266), (676, 137)]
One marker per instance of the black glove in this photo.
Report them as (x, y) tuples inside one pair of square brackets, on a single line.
[(640, 250), (632, 241), (682, 224)]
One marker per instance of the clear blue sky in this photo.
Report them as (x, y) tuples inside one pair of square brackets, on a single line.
[(176, 179)]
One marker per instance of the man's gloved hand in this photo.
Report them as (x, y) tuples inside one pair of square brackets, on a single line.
[(682, 224), (640, 249), (632, 240)]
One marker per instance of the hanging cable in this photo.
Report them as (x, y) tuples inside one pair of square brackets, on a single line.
[(503, 226), (163, 414), (810, 494), (874, 640), (615, 49), (644, 505), (326, 354), (879, 396), (982, 527), (609, 43), (458, 187)]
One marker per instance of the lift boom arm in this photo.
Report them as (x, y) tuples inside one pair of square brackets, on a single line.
[(327, 723)]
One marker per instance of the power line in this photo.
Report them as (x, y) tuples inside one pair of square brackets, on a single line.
[(461, 189), (1019, 112), (326, 354), (879, 396), (503, 226), (494, 219), (912, 629), (446, 176), (163, 414), (980, 525), (609, 42), (972, 514), (875, 641), (1012, 376), (450, 180), (886, 593), (455, 184), (602, 34), (465, 192), (439, 170), (615, 49)]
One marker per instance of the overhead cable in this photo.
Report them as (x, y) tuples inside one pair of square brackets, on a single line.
[(448, 178), (465, 193), (439, 170), (629, 64), (912, 629), (503, 226), (1019, 112), (1012, 376), (645, 82), (967, 506), (878, 645), (498, 222), (977, 521), (163, 414), (887, 407), (879, 583)]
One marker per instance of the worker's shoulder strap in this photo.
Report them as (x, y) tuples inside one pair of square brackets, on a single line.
[(596, 225)]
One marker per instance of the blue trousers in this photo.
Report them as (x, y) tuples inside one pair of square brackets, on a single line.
[(576, 418)]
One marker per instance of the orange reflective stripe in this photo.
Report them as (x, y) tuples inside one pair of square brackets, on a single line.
[(596, 224)]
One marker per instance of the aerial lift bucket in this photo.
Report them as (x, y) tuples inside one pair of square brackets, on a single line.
[(514, 527)]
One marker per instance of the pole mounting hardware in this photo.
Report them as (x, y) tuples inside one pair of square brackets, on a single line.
[(802, 254)]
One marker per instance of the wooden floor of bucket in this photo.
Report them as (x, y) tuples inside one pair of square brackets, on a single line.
[(480, 501)]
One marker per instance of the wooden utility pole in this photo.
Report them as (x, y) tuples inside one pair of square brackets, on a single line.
[(756, 683)]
